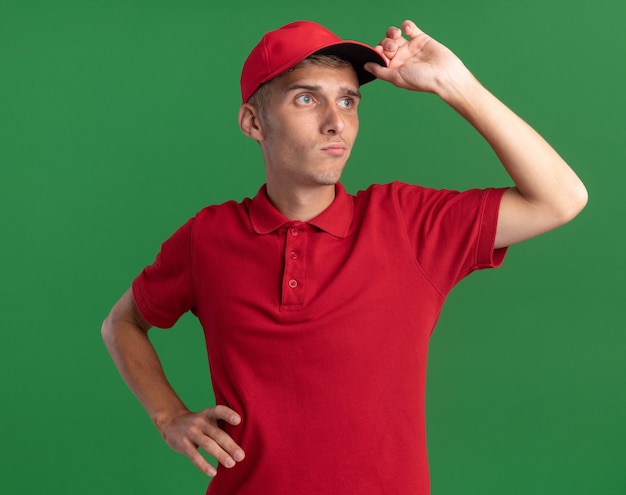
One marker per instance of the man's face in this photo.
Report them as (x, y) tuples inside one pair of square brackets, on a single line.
[(310, 125)]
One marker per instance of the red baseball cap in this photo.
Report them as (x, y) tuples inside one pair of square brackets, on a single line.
[(282, 49)]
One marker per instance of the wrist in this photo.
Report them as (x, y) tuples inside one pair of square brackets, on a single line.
[(468, 97), (164, 417), (458, 88)]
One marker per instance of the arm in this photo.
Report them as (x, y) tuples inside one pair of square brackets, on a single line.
[(547, 192), (125, 333)]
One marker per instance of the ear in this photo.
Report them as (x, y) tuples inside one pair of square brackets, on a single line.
[(249, 122)]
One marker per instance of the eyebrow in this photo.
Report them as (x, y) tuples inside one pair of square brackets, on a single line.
[(313, 88)]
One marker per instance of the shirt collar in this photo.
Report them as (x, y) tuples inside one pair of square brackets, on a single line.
[(336, 219)]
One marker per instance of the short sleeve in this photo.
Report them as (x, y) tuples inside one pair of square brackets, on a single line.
[(452, 233), (163, 290)]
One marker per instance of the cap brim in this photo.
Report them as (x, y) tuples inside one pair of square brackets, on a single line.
[(358, 54)]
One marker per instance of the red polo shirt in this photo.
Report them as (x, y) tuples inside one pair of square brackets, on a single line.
[(317, 333)]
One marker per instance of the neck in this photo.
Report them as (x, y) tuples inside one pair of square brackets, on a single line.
[(302, 204)]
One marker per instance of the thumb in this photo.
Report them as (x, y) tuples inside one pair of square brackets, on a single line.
[(379, 71)]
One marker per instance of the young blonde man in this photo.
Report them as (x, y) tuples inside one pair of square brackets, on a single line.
[(317, 305)]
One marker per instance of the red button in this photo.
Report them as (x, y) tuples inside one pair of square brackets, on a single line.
[(293, 283), (293, 255), (294, 231)]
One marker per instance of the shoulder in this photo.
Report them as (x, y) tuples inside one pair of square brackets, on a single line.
[(400, 193), (414, 202), (221, 214)]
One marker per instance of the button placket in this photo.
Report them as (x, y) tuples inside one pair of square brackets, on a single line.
[(294, 274)]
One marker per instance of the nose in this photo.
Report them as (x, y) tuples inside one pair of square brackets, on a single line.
[(332, 122)]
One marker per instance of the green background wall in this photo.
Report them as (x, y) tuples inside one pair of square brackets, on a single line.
[(118, 122)]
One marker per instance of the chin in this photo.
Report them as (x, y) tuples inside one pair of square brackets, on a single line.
[(328, 178)]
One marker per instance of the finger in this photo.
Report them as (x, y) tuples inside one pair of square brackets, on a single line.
[(227, 452), (379, 49), (388, 48), (393, 33), (411, 30), (199, 461), (217, 443), (223, 413), (393, 40)]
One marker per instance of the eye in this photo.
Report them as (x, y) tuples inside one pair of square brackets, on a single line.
[(304, 99), (346, 103)]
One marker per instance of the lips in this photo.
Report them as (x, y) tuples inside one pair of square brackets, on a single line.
[(336, 149)]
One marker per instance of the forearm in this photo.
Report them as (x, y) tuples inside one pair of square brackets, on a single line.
[(125, 333), (140, 367)]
